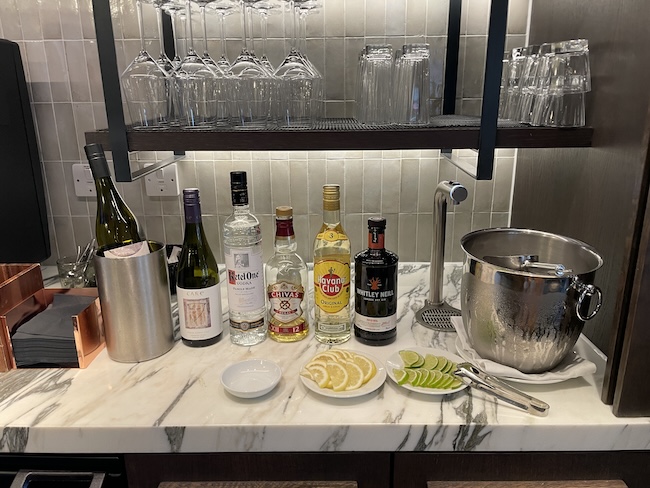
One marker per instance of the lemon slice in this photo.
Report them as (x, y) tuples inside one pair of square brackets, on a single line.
[(325, 356), (411, 359), (355, 376), (338, 375), (317, 362), (319, 374), (367, 366)]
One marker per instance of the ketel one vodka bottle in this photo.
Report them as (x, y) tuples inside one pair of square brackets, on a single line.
[(375, 280), (286, 283), (242, 240), (332, 274)]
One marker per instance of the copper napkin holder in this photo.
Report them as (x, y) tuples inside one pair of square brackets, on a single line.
[(23, 295)]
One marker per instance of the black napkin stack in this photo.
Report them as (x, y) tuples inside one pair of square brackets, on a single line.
[(48, 338)]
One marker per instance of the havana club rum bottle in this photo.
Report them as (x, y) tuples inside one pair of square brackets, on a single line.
[(332, 273), (286, 282), (375, 280)]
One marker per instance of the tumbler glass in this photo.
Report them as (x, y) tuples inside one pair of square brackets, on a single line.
[(564, 76), (411, 85), (374, 84)]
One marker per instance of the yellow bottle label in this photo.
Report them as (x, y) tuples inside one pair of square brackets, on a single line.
[(332, 285), (331, 235)]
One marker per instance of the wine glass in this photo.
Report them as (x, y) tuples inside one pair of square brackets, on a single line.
[(176, 11), (163, 60), (196, 86), (299, 83), (146, 87), (223, 8), (252, 99), (224, 77), (264, 8)]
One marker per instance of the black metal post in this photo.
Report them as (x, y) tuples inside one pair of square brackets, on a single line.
[(491, 88), (451, 59), (112, 94)]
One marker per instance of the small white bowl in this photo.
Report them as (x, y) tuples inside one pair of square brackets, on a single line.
[(251, 378)]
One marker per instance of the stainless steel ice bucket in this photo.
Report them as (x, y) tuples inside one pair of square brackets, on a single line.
[(527, 317), (136, 305)]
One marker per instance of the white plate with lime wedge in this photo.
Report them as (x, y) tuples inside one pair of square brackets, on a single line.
[(425, 370), (371, 385)]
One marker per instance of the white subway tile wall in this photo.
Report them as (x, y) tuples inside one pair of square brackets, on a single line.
[(58, 47)]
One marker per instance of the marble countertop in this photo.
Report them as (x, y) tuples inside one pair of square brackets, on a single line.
[(176, 403)]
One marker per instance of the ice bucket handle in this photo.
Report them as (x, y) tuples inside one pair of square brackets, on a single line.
[(587, 291)]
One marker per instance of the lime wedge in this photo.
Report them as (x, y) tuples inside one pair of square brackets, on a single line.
[(430, 361), (412, 374), (442, 363), (455, 384), (450, 367), (401, 376), (411, 359), (434, 379), (423, 377), (446, 381)]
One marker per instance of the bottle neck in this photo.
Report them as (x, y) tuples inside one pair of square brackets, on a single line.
[(376, 240), (285, 239), (192, 214), (331, 216)]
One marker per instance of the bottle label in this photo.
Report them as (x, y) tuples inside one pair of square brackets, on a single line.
[(244, 325), (375, 300), (199, 312), (132, 250), (375, 324), (245, 269), (331, 235), (285, 300), (332, 285)]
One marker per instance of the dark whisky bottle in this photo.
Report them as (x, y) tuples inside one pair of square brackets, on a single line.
[(375, 304)]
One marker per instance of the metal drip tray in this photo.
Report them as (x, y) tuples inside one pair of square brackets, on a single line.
[(437, 317)]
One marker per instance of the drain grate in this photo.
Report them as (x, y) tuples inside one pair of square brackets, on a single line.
[(437, 317)]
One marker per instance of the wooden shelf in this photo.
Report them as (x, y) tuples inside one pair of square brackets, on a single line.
[(347, 134)]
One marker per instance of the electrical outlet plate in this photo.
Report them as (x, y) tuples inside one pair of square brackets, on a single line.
[(84, 185), (163, 182)]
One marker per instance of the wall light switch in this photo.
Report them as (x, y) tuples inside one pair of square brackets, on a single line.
[(84, 185), (163, 182)]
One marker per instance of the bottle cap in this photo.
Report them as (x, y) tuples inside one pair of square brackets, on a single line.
[(376, 223), (97, 160), (284, 211), (191, 196), (331, 192), (238, 179), (238, 188), (331, 197)]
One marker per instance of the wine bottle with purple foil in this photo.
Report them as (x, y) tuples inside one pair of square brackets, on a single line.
[(375, 299), (197, 281)]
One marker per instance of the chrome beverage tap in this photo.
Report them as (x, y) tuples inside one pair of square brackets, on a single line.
[(436, 313)]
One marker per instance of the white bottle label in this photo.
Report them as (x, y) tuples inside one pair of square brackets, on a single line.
[(375, 324), (245, 270), (128, 251), (199, 312), (285, 300)]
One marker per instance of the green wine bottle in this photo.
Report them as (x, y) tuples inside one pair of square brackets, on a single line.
[(197, 281), (115, 224)]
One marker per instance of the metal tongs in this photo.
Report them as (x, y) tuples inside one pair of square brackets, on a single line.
[(474, 377), (525, 262)]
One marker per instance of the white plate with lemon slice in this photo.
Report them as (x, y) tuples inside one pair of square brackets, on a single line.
[(348, 385), (396, 362)]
